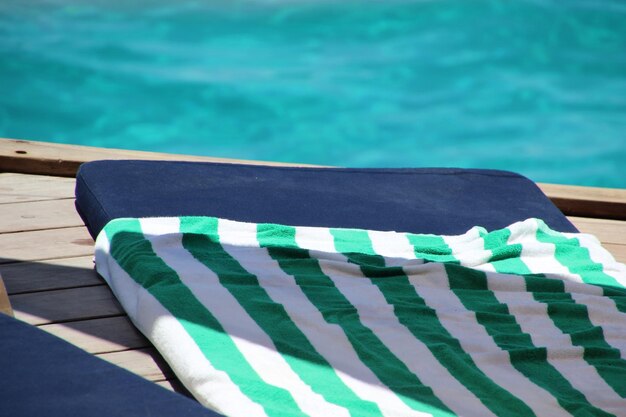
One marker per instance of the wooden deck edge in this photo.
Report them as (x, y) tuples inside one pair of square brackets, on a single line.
[(573, 200), (43, 158)]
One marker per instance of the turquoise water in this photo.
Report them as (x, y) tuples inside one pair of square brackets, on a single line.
[(538, 87)]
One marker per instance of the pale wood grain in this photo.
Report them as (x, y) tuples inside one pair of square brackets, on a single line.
[(102, 335), (38, 215), (45, 244), (146, 363), (618, 251), (606, 230), (15, 188), (51, 274), (66, 305)]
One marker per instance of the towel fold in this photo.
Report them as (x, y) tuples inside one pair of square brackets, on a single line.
[(275, 320)]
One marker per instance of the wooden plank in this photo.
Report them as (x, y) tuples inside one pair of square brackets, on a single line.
[(32, 157), (103, 335), (63, 160), (618, 251), (606, 230), (38, 215), (66, 305), (45, 244), (53, 274), (146, 363), (5, 305), (613, 195), (572, 200), (16, 188)]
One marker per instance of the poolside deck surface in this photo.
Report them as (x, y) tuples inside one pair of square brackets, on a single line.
[(46, 264)]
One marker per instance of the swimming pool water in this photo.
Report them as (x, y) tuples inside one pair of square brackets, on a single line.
[(537, 87)]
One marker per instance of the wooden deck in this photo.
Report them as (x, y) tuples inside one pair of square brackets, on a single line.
[(46, 254), (47, 268)]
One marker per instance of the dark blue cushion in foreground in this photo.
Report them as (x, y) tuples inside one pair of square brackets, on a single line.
[(439, 201), (42, 375)]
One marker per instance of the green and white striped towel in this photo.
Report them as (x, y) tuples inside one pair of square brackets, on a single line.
[(273, 320)]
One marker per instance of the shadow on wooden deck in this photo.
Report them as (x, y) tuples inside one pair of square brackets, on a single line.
[(67, 298)]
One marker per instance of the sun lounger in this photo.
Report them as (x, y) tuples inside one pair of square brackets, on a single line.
[(215, 241), (436, 201)]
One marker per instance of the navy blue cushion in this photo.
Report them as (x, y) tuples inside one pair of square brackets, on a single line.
[(439, 201), (42, 375)]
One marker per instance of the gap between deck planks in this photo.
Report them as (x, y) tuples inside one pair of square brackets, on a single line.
[(50, 274), (16, 188), (48, 271), (45, 244), (103, 335), (38, 215)]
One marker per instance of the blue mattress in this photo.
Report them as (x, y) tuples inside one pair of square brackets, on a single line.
[(438, 201)]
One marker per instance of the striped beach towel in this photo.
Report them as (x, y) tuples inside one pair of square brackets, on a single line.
[(274, 320)]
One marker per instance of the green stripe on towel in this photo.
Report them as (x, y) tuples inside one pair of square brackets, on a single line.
[(302, 321)]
